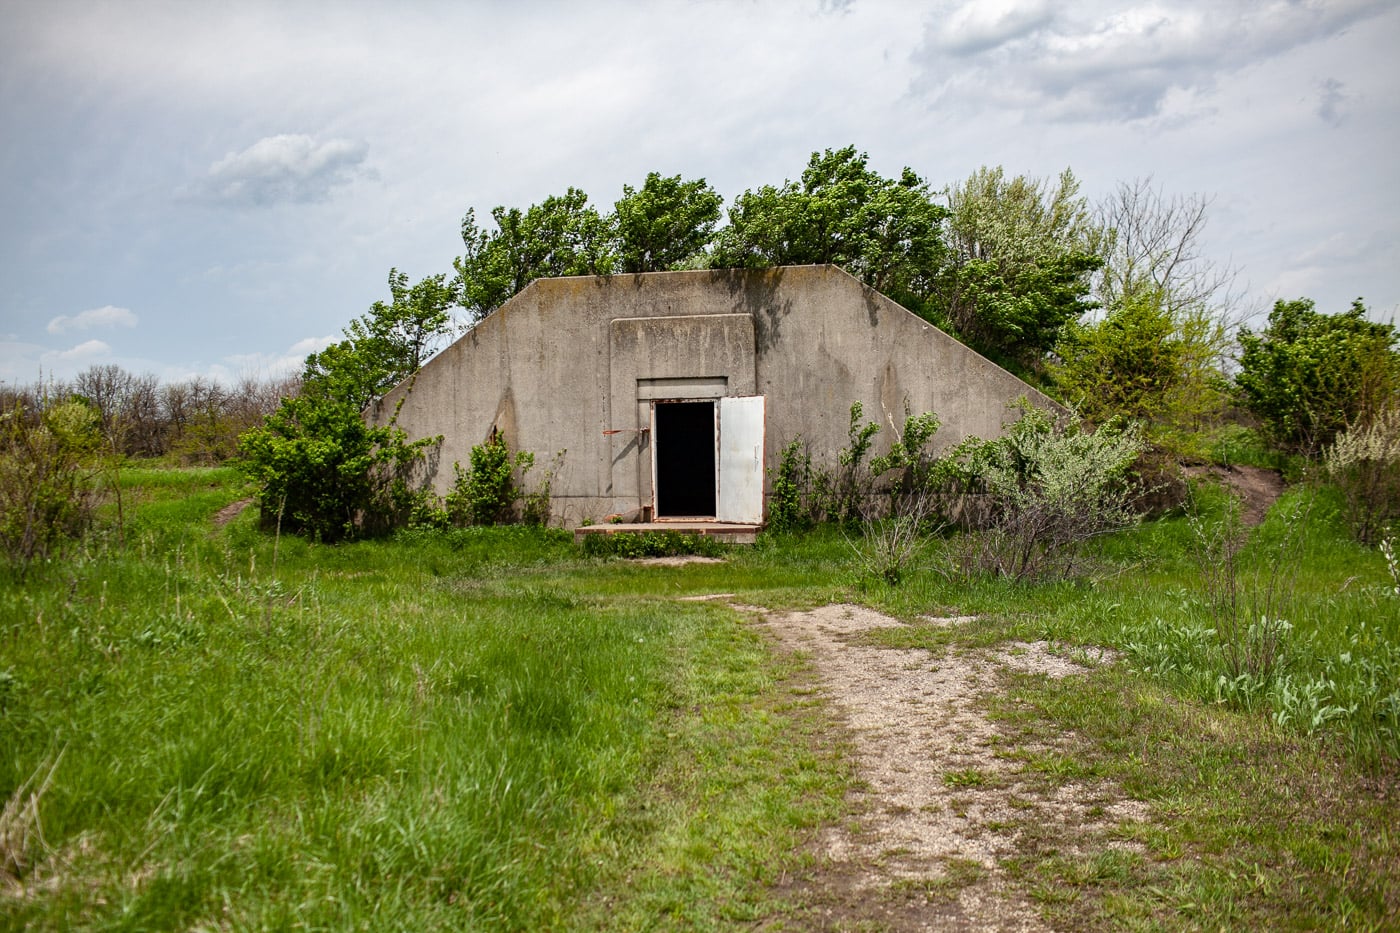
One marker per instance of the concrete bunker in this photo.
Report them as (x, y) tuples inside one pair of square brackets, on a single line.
[(672, 394)]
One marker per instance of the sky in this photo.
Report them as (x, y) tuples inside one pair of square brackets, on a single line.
[(216, 189)]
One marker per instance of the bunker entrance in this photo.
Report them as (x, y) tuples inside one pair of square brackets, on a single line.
[(684, 439)]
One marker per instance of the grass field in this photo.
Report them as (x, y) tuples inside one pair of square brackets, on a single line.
[(485, 729)]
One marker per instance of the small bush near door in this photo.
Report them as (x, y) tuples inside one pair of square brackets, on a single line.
[(790, 506), (486, 493), (627, 544)]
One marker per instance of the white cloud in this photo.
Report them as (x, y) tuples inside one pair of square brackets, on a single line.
[(284, 168), (1111, 61), (270, 365), (980, 27), (303, 348), (106, 316), (87, 350)]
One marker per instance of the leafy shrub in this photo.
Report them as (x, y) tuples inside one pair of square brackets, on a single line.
[(843, 495), (629, 544), (323, 472), (790, 499), (852, 492), (1308, 376), (912, 464), (486, 493), (49, 468), (1045, 489), (1365, 464)]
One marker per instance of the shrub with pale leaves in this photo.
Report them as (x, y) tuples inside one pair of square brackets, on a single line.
[(1046, 489), (1364, 462)]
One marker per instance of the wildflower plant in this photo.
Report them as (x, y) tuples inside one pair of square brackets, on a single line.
[(1388, 552)]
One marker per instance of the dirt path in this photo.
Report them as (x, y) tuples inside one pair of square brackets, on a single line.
[(942, 796), (1257, 488), (229, 512)]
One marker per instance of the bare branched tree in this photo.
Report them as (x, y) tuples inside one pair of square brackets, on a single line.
[(1152, 242)]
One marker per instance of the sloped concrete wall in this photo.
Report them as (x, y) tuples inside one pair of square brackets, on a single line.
[(833, 341), (569, 359)]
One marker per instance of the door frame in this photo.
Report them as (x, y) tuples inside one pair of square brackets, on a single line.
[(751, 445), (655, 445)]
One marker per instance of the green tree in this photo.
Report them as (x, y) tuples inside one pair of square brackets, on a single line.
[(321, 469), (1308, 376), (562, 235), (666, 223), (885, 231), (408, 330), (1023, 255), (387, 345), (1125, 364)]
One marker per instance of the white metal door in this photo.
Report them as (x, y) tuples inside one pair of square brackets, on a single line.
[(741, 460)]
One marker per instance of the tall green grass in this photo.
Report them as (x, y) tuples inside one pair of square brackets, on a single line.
[(421, 733), (1321, 657), (486, 729), (1335, 620)]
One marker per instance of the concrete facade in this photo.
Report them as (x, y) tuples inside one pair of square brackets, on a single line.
[(578, 364)]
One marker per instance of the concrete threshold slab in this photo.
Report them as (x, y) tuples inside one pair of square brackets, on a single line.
[(727, 532)]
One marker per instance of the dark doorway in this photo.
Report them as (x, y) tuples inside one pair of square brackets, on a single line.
[(685, 459)]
